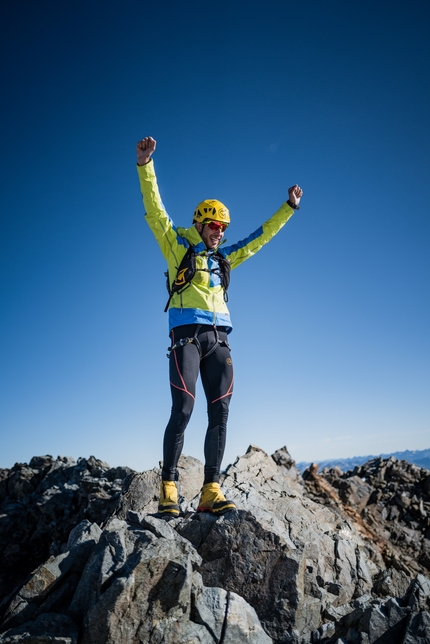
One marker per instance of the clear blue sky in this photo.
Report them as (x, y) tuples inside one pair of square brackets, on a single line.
[(331, 319)]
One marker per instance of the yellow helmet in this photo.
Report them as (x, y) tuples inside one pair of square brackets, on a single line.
[(212, 209)]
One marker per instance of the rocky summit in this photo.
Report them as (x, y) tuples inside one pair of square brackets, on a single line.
[(330, 557)]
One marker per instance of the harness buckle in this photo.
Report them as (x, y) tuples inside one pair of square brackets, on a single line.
[(180, 343)]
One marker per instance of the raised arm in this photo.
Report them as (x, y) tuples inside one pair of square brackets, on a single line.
[(155, 214), (246, 248)]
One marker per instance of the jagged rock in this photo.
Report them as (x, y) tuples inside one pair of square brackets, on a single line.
[(418, 629), (41, 504), (281, 568), (287, 556), (85, 534), (386, 499), (391, 583), (419, 593), (191, 476), (385, 619), (142, 585), (46, 629), (287, 467), (141, 491), (240, 556), (389, 621), (132, 563), (228, 618), (30, 600)]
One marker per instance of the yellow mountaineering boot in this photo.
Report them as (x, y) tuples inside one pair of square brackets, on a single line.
[(213, 500), (168, 505)]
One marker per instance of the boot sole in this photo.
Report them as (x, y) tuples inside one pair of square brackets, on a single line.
[(223, 510), (172, 511)]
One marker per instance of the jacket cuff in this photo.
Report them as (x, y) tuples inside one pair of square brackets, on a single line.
[(148, 168), (292, 205)]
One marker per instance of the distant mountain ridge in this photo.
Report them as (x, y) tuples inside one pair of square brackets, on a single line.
[(417, 457)]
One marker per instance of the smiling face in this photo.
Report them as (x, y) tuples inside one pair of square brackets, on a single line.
[(211, 234)]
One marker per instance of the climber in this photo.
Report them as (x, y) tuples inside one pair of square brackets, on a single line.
[(199, 323)]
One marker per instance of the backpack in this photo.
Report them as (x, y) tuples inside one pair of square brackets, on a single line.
[(187, 269)]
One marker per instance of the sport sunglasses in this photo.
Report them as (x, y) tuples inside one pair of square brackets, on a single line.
[(215, 225)]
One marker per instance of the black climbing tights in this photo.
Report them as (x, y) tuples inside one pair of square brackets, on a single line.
[(216, 371)]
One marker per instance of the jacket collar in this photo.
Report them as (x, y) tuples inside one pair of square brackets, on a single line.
[(192, 236)]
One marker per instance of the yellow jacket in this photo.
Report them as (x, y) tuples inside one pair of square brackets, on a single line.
[(203, 302)]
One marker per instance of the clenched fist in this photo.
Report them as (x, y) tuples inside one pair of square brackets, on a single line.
[(294, 194), (145, 149)]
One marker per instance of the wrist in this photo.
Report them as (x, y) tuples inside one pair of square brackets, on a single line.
[(292, 205)]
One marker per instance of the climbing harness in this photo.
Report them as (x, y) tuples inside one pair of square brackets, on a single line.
[(184, 341)]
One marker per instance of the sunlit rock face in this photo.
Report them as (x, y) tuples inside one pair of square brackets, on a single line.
[(329, 557)]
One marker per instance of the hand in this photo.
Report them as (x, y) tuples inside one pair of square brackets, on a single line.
[(145, 149), (294, 194)]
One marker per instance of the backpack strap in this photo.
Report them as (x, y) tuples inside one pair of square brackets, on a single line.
[(184, 275), (187, 269)]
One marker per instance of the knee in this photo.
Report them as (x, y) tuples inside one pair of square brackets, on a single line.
[(179, 418), (218, 411)]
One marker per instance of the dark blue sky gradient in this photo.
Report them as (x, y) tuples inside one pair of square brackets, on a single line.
[(331, 320)]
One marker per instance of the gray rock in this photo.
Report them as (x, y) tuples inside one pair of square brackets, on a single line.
[(191, 475), (154, 585), (158, 527), (24, 604), (324, 632), (280, 568), (387, 501), (141, 491), (379, 621), (419, 593), (282, 553), (391, 582), (116, 543), (228, 618), (263, 577), (140, 494), (47, 577), (84, 533), (287, 467), (418, 629), (46, 629), (40, 504), (158, 596)]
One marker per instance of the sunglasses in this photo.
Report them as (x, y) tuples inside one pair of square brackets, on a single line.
[(215, 225)]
